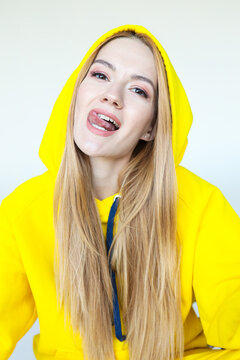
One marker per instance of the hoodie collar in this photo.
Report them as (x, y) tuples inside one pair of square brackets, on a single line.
[(104, 207)]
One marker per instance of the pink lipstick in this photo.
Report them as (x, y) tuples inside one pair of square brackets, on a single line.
[(93, 121)]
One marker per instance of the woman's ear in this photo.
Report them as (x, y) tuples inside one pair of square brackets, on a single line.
[(148, 136)]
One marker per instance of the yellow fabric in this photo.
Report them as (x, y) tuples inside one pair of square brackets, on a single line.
[(208, 228)]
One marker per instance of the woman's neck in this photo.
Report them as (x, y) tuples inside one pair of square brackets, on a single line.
[(105, 174)]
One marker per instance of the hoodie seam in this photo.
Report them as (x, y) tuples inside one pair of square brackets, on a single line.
[(200, 225), (188, 206), (201, 219), (201, 212)]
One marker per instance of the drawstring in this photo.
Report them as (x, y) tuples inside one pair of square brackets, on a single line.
[(116, 312)]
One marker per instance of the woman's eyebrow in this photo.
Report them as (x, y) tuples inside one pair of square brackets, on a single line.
[(134, 76)]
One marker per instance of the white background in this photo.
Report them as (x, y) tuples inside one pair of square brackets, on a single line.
[(43, 41)]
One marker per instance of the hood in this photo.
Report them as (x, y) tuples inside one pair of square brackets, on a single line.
[(53, 141)]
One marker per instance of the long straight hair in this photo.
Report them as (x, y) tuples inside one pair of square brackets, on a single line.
[(145, 250)]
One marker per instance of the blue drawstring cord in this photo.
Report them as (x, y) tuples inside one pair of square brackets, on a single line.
[(116, 312)]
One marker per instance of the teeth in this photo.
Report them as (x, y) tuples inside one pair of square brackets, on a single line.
[(104, 117), (98, 127)]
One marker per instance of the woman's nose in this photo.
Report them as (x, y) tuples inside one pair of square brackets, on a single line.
[(112, 97)]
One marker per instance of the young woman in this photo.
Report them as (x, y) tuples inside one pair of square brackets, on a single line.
[(111, 246)]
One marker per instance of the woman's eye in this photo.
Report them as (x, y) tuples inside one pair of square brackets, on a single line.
[(101, 76), (142, 93), (95, 74)]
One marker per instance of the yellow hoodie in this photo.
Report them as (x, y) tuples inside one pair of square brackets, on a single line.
[(208, 227)]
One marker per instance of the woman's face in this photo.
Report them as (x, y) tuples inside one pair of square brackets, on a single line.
[(111, 88)]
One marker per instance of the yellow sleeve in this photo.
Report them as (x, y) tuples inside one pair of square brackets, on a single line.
[(17, 306), (216, 274)]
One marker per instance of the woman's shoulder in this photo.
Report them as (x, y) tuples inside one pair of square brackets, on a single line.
[(194, 192), (27, 195)]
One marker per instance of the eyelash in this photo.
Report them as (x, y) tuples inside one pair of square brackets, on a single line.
[(94, 73)]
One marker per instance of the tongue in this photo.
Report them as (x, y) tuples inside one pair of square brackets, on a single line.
[(94, 119)]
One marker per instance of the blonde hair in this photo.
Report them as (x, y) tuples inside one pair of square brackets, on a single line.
[(145, 253)]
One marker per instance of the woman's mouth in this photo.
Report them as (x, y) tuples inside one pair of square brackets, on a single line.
[(99, 126)]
